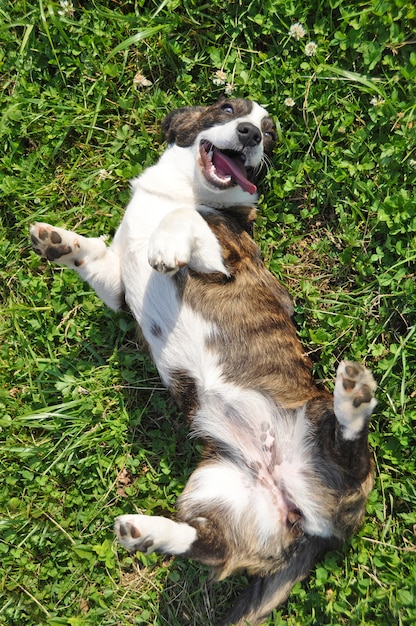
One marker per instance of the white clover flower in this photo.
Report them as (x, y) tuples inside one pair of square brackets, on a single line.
[(220, 78), (310, 49), (102, 174), (67, 8), (229, 88), (412, 163), (289, 102), (297, 31), (141, 81), (377, 101)]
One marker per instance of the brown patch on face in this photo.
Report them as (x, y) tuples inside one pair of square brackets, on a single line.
[(183, 125), (180, 125)]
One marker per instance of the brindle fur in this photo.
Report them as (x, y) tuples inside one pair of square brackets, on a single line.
[(254, 313)]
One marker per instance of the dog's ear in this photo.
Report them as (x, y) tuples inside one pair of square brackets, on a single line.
[(181, 126), (269, 135)]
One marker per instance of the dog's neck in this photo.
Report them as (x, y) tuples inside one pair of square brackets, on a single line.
[(243, 217)]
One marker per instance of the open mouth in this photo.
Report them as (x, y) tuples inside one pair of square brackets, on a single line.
[(225, 168)]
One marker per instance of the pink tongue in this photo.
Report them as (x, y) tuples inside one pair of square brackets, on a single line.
[(228, 167)]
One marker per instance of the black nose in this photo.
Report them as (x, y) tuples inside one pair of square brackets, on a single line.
[(248, 134)]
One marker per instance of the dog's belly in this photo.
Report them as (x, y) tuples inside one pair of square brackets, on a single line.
[(272, 458)]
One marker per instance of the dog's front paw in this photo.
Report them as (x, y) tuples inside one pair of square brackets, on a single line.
[(53, 243), (183, 238), (354, 398), (168, 252)]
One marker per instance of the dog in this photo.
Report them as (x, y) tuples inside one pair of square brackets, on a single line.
[(286, 469)]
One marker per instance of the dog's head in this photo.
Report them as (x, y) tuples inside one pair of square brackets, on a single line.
[(229, 141)]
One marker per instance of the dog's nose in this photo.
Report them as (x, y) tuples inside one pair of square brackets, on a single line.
[(248, 134)]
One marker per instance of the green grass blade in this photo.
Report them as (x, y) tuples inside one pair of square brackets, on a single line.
[(372, 84), (139, 36)]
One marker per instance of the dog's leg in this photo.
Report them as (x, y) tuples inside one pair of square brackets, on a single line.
[(90, 257), (151, 533), (348, 446), (183, 238), (353, 398), (345, 438), (200, 539), (198, 535)]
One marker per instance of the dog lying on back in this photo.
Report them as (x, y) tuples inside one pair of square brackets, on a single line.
[(286, 469)]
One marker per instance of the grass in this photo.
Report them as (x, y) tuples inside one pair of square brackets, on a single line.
[(87, 432)]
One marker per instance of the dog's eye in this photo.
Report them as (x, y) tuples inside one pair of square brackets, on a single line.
[(270, 134), (227, 108)]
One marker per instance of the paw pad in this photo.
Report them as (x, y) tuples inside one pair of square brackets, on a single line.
[(47, 242), (357, 382), (354, 397), (363, 395), (130, 535)]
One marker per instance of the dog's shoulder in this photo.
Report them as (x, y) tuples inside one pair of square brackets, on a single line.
[(233, 229), (244, 262)]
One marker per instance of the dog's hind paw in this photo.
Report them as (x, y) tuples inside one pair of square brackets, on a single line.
[(353, 397), (149, 533)]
